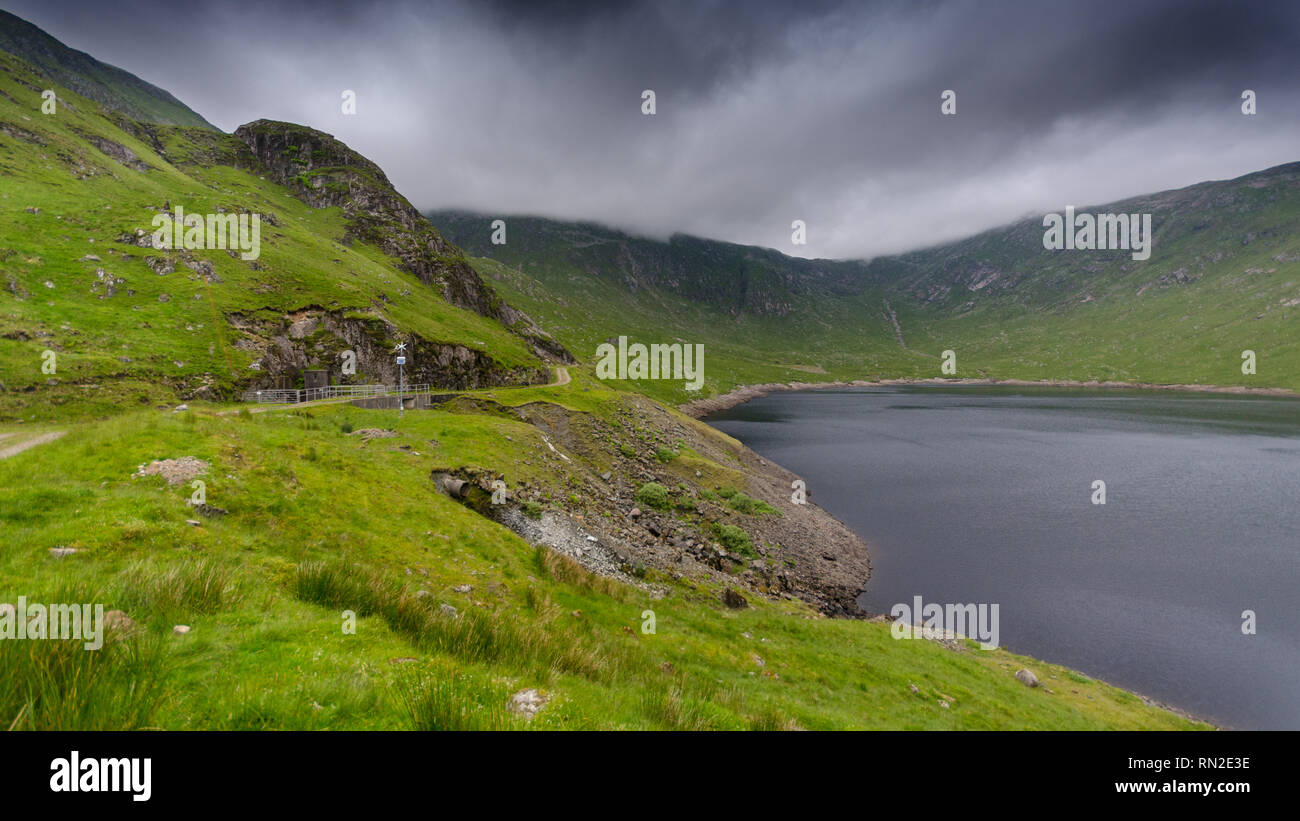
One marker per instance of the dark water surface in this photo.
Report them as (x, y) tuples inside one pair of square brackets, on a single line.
[(984, 495)]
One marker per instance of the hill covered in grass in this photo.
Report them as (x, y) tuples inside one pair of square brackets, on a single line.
[(1223, 277), (108, 85), (344, 264), (308, 520), (309, 567)]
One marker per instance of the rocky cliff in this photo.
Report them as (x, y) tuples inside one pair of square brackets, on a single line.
[(324, 173)]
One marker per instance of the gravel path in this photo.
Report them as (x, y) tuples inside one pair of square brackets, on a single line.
[(14, 450)]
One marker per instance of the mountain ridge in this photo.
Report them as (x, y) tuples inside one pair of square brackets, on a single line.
[(113, 87), (1223, 277)]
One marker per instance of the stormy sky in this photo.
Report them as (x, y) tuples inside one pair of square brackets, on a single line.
[(826, 112)]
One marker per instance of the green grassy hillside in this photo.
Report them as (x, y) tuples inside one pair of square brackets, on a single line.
[(310, 515), (109, 85), (1224, 277), (130, 325), (316, 521)]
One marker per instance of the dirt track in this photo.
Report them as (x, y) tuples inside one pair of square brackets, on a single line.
[(27, 444)]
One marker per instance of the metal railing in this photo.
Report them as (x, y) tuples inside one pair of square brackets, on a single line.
[(297, 395)]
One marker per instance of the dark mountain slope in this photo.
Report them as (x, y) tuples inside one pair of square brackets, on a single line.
[(1223, 277), (108, 85)]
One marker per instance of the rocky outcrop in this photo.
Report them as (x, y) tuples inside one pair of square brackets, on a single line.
[(324, 173), (315, 339), (585, 501)]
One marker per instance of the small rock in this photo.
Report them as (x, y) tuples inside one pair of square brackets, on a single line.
[(181, 629), (374, 433), (462, 588), (943, 704), (1027, 678), (914, 689), (116, 621), (448, 610), (636, 513), (60, 552), (194, 522), (526, 703), (733, 599), (181, 408)]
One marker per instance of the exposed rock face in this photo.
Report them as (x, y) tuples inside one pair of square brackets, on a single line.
[(587, 485), (324, 172), (120, 153), (313, 338)]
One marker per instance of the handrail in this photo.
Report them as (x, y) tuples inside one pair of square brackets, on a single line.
[(298, 395)]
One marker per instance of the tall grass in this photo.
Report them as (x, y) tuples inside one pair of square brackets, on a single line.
[(676, 704), (566, 570), (181, 588), (59, 685), (474, 635), (458, 703)]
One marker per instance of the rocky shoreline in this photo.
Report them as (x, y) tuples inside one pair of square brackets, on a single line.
[(700, 408)]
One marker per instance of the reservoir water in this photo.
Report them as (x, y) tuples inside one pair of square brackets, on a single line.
[(985, 495)]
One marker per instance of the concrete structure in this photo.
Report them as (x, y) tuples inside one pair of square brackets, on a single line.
[(315, 379)]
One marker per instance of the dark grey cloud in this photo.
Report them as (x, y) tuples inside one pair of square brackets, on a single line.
[(823, 111)]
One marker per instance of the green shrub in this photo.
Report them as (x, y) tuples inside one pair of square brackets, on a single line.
[(532, 510), (664, 454), (653, 494), (627, 450), (734, 539), (750, 505)]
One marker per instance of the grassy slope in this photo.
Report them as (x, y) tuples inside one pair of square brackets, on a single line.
[(317, 522), (298, 491), (301, 264), (107, 84), (1228, 252)]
